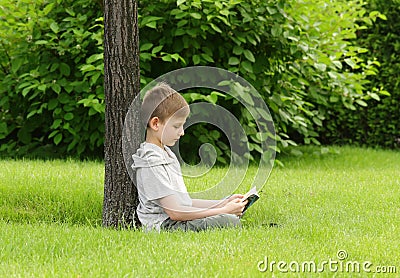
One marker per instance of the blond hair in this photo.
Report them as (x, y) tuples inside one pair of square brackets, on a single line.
[(162, 101)]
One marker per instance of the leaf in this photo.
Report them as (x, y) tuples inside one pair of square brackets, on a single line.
[(55, 125), (349, 106), (249, 55), (145, 57), (293, 38), (237, 50), (215, 134), (375, 96), (382, 16), (212, 98), (42, 87), (180, 2), (246, 65), (54, 27), (271, 10), (72, 145), (218, 94), (320, 66), (315, 141), (157, 49), (68, 116), (167, 58), (87, 68), (16, 64), (180, 32), (99, 107), (3, 128), (233, 61), (41, 42), (264, 114), (338, 64), (216, 28), (361, 102), (24, 136), (27, 90), (95, 57), (252, 40), (196, 59), (196, 16), (92, 111), (175, 56), (196, 96), (52, 104), (53, 133), (70, 11), (207, 57), (333, 98), (48, 8), (262, 136), (247, 98), (33, 112), (350, 62), (285, 116), (377, 14), (25, 84), (317, 121), (65, 69), (58, 138), (225, 83), (276, 30), (56, 88), (182, 23), (152, 24), (63, 98), (149, 19), (53, 67), (385, 93)]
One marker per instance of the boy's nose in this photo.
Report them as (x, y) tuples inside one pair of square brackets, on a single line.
[(182, 132)]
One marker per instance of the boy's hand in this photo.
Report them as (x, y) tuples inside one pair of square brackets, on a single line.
[(235, 206), (235, 196), (230, 199)]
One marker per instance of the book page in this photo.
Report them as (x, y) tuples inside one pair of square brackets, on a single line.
[(250, 192)]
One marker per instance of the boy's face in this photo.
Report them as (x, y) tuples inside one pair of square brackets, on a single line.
[(172, 130)]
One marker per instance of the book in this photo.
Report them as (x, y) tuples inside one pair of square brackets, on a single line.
[(252, 196)]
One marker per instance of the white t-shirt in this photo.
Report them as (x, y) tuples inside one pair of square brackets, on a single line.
[(158, 175)]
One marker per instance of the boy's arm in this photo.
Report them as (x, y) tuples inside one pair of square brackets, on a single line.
[(178, 212), (201, 203)]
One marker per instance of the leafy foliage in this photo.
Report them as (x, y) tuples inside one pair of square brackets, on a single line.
[(52, 70), (304, 62), (377, 124)]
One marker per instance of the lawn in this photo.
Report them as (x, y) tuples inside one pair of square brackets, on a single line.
[(336, 214)]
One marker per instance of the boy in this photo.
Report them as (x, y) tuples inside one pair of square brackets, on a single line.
[(164, 202)]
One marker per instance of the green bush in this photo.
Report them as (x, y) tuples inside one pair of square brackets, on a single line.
[(304, 62), (52, 70), (378, 124)]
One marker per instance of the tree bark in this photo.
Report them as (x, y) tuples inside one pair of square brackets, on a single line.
[(121, 86)]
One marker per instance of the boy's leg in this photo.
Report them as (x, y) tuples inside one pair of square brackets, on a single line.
[(218, 221)]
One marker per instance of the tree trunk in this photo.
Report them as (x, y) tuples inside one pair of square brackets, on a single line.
[(121, 86)]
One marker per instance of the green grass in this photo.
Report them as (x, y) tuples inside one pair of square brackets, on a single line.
[(50, 215)]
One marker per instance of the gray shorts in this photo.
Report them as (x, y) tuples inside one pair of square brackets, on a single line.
[(212, 222)]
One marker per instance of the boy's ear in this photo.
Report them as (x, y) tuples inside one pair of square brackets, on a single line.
[(154, 123)]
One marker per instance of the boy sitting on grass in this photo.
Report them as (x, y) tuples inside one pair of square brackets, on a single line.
[(164, 203)]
